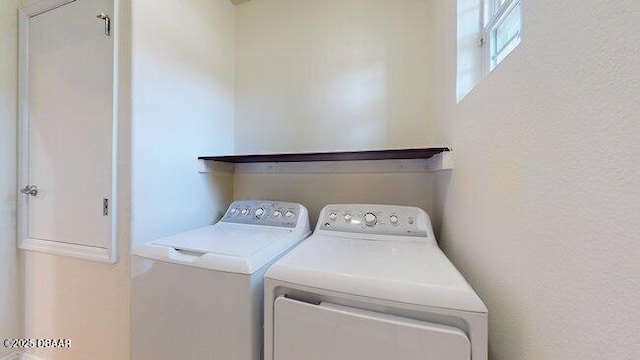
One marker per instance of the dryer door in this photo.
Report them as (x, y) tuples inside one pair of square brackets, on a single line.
[(333, 332)]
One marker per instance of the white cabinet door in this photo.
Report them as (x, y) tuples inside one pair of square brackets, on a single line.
[(67, 150), (332, 332)]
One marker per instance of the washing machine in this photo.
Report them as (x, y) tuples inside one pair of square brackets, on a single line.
[(371, 283), (198, 295)]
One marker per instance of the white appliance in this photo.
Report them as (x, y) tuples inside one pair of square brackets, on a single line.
[(198, 295), (371, 283)]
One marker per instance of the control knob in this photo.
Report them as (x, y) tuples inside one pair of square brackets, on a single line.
[(277, 214), (370, 219), (245, 211), (393, 219), (333, 216), (259, 212), (289, 214)]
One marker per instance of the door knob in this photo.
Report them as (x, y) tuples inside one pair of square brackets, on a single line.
[(30, 190)]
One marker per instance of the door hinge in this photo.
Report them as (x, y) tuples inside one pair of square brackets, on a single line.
[(105, 207), (107, 23)]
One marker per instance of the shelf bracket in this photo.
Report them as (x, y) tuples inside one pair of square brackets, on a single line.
[(209, 166), (441, 161)]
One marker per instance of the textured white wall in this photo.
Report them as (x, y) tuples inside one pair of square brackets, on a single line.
[(541, 210), (319, 75), (183, 97), (10, 309)]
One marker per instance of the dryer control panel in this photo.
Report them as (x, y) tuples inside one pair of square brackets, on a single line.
[(375, 219), (259, 212)]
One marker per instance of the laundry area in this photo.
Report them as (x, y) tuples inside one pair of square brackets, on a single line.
[(319, 180)]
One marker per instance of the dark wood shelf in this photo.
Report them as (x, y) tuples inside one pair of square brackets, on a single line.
[(395, 154)]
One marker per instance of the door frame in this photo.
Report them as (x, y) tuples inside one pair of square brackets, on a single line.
[(109, 254)]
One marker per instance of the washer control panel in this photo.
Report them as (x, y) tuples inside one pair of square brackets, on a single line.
[(375, 219), (257, 212)]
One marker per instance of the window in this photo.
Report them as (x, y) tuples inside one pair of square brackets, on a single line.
[(487, 31), (502, 30)]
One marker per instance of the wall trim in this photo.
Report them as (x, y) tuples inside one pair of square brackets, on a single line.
[(20, 356), (43, 6), (14, 356), (25, 356)]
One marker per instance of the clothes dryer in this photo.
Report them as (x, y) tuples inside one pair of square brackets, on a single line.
[(371, 283)]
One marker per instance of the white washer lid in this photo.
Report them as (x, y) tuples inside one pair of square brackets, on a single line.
[(408, 272), (226, 239), (227, 247)]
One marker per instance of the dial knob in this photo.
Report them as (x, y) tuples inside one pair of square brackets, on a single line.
[(277, 214), (245, 211), (370, 219), (333, 216), (259, 212), (234, 211), (289, 214), (347, 217), (393, 219)]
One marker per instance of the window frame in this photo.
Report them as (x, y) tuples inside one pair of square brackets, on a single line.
[(491, 19)]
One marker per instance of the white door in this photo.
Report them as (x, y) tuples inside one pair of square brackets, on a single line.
[(68, 127), (304, 331)]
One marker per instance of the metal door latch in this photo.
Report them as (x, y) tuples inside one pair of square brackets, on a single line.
[(30, 190), (107, 23)]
